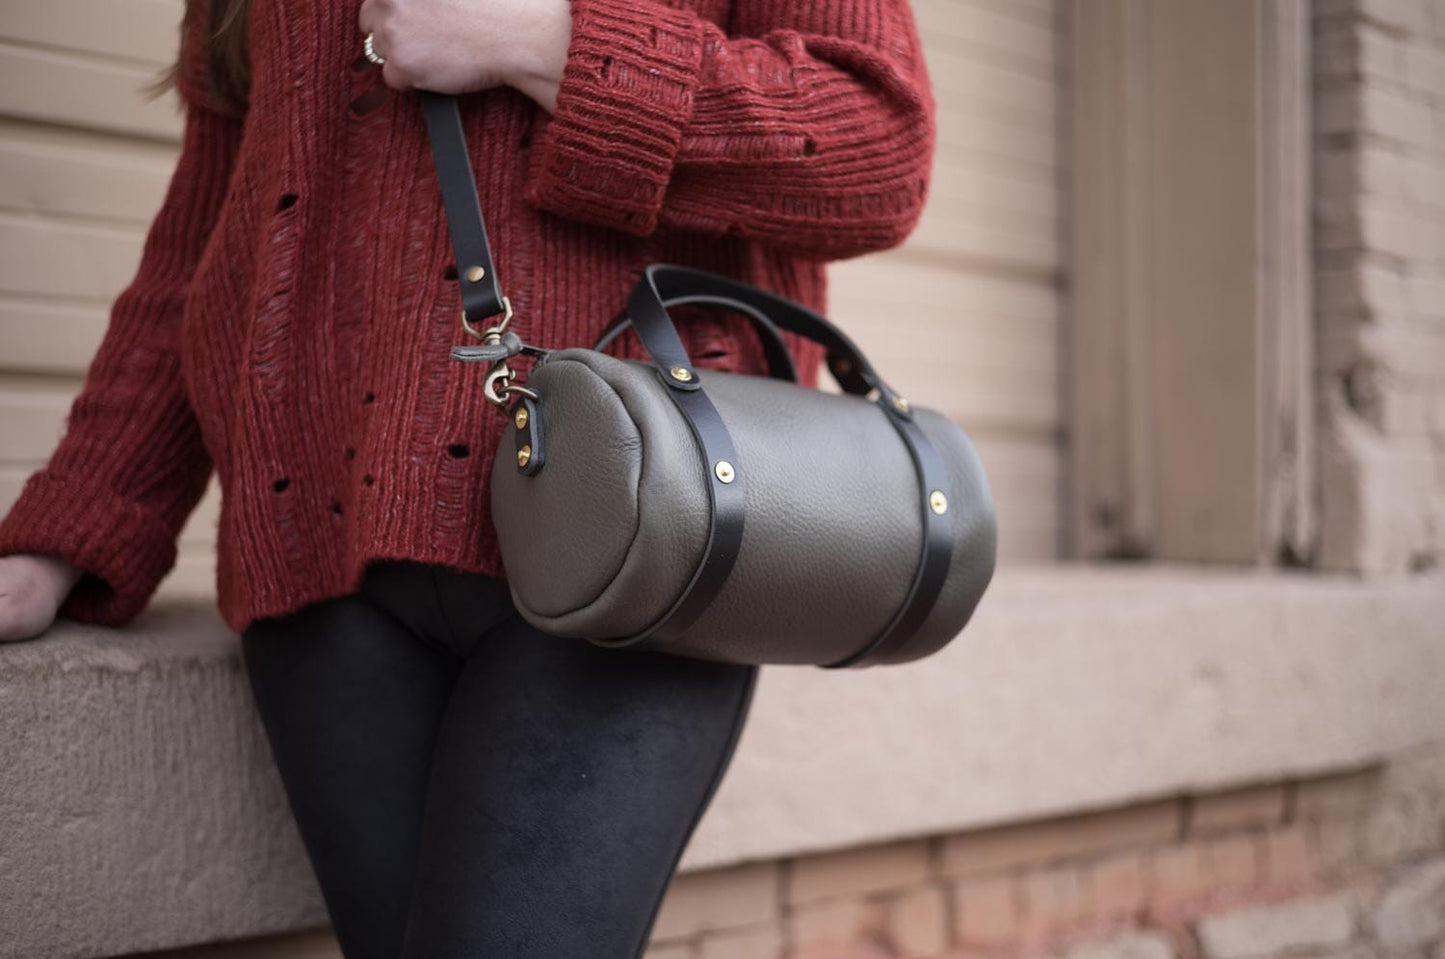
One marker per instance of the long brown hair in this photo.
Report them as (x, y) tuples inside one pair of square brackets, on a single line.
[(227, 64)]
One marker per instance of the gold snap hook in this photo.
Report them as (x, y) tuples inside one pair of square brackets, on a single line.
[(497, 330), (497, 382)]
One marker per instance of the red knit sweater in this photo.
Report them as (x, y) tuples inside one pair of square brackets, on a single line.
[(290, 323)]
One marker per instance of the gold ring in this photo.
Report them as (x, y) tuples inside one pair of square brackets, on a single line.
[(369, 47)]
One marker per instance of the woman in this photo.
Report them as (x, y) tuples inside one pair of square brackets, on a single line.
[(463, 784)]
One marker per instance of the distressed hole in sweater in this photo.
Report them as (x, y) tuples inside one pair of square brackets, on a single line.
[(459, 450), (281, 484), (368, 479), (285, 202), (809, 147), (369, 397), (350, 453), (606, 67), (336, 508), (450, 273), (369, 100)]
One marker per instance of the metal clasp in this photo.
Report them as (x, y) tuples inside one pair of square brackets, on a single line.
[(498, 383), (497, 330)]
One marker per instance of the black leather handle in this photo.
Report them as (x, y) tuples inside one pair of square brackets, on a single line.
[(666, 283), (775, 348)]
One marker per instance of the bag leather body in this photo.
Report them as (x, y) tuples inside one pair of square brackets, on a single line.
[(603, 539), (723, 516)]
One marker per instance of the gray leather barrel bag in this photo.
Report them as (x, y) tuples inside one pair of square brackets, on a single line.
[(723, 516)]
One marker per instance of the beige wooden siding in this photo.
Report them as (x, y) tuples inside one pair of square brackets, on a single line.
[(964, 317), (84, 163), (967, 315)]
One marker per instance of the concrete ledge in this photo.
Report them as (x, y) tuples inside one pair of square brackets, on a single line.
[(139, 809)]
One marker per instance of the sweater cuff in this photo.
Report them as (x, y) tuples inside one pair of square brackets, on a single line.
[(605, 155), (124, 559)]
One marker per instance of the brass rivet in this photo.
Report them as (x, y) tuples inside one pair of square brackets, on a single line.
[(901, 403), (521, 417), (724, 471), (524, 455), (681, 373), (938, 502), (475, 273)]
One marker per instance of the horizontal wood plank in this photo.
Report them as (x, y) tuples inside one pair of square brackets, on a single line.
[(68, 173), (78, 90), (42, 255), (144, 31)]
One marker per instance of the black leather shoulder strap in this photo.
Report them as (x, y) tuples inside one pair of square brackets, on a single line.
[(482, 297)]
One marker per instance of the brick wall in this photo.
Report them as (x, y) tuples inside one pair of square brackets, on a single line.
[(1347, 866), (1380, 280)]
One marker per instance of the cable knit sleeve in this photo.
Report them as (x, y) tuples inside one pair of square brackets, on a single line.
[(811, 127), (131, 466)]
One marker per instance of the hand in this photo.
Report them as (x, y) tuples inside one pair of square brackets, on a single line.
[(32, 587), (456, 46)]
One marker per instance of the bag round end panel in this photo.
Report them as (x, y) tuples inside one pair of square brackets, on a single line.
[(603, 538)]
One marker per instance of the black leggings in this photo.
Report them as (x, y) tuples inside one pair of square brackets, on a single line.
[(467, 785)]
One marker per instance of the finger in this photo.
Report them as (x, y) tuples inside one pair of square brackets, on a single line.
[(394, 76), (366, 17)]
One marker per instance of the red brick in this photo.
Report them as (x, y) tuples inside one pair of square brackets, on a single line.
[(1287, 858), (765, 942), (986, 911), (919, 922), (673, 951), (1341, 796), (850, 872), (734, 896), (1118, 885), (1235, 862), (1054, 898), (1055, 840), (1334, 845), (854, 950), (1180, 879), (837, 921), (1246, 808)]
